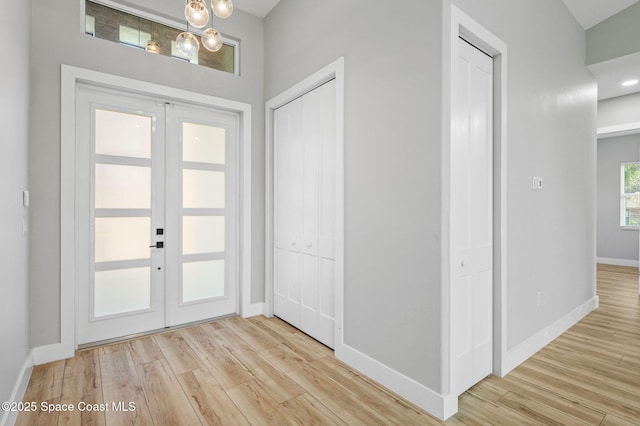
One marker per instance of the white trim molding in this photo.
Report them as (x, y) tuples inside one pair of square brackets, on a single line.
[(618, 262), (49, 353), (533, 344), (334, 70), (458, 24), (619, 130), (397, 382), (252, 310), (70, 77), (19, 389)]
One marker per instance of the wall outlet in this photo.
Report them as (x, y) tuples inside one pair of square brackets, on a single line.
[(539, 299)]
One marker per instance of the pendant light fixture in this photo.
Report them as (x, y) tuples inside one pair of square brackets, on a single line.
[(197, 12), (152, 45), (222, 8), (187, 44), (197, 15), (211, 39)]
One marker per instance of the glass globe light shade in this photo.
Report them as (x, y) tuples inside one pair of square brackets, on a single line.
[(187, 44), (222, 8), (153, 46), (197, 13), (211, 39)]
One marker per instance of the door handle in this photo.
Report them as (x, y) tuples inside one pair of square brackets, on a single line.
[(159, 244)]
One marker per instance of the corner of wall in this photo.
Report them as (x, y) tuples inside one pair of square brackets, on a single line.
[(10, 416)]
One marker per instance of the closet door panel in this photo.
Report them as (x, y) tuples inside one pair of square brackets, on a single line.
[(305, 222)]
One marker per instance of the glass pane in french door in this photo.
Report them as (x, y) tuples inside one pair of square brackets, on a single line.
[(203, 212), (122, 213), (119, 291)]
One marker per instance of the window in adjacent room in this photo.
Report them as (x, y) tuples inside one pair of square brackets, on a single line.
[(90, 25), (630, 194), (134, 37)]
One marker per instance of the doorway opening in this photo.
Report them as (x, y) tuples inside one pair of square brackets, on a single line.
[(72, 80), (304, 251), (156, 216)]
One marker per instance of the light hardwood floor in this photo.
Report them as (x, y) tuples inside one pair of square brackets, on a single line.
[(264, 372)]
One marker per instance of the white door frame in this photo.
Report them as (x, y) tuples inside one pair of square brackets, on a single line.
[(463, 25), (335, 70), (70, 77), (620, 130)]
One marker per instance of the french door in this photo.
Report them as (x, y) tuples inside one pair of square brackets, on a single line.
[(156, 208)]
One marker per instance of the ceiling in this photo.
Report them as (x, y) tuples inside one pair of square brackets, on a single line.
[(609, 74), (260, 8), (591, 12), (587, 12)]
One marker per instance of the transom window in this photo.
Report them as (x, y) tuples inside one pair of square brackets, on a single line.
[(630, 194), (135, 31)]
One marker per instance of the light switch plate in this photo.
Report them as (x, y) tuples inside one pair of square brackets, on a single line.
[(537, 183)]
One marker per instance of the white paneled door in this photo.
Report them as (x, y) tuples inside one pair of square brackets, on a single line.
[(157, 229), (305, 213), (471, 216)]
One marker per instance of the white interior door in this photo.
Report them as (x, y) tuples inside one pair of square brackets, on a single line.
[(305, 213), (472, 216), (156, 214)]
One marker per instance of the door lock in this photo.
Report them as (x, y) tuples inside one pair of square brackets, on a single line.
[(159, 244)]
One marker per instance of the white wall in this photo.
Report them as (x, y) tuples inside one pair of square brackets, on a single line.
[(393, 135), (392, 163), (552, 107), (15, 22), (613, 241), (57, 28)]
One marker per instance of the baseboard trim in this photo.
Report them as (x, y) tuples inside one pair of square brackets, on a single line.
[(420, 395), (529, 347), (618, 262), (253, 310), (48, 353), (10, 417)]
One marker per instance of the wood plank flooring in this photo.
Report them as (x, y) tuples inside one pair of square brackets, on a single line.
[(262, 371)]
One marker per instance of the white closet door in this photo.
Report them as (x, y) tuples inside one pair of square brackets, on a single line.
[(304, 222), (472, 216), (287, 214)]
